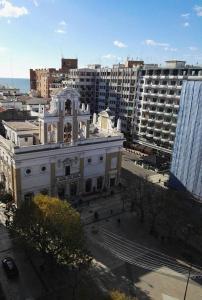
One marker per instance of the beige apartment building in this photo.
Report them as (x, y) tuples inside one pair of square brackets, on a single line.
[(42, 79)]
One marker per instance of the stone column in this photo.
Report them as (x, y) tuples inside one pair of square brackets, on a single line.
[(45, 128), (87, 129), (52, 178), (17, 186), (60, 130), (81, 181), (74, 125)]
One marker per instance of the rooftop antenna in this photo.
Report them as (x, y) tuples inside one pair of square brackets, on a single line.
[(61, 54)]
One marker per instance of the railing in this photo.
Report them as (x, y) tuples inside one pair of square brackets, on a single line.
[(65, 178)]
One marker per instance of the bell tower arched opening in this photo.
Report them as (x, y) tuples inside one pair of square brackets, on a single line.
[(68, 133), (68, 107)]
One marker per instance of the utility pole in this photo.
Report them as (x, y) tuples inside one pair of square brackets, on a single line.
[(185, 293)]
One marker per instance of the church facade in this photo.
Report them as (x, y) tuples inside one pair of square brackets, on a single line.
[(62, 154)]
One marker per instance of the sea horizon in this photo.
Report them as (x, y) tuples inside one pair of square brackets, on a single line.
[(16, 82)]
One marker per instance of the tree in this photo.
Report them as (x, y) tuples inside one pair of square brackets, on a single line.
[(6, 198), (117, 295), (53, 228), (2, 187)]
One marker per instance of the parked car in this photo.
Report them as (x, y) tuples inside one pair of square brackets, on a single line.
[(10, 267)]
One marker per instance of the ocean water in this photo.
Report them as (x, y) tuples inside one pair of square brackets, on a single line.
[(20, 83)]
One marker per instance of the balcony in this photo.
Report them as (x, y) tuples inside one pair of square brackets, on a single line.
[(165, 131), (172, 133), (166, 123), (152, 103), (156, 138), (167, 114), (157, 129), (160, 112), (177, 96), (144, 118), (171, 86), (145, 109), (175, 115), (169, 105), (149, 135), (158, 121), (171, 142), (66, 178), (164, 140), (160, 104)]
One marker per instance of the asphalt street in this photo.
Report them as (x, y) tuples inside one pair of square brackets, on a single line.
[(116, 267), (27, 285)]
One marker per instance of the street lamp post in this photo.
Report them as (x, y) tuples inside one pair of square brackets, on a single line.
[(185, 293)]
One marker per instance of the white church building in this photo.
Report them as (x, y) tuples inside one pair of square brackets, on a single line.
[(62, 154)]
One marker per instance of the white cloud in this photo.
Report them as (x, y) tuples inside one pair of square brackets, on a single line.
[(154, 43), (165, 46), (60, 31), (61, 27), (170, 49), (3, 49), (109, 56), (8, 10), (185, 15), (186, 24), (36, 3), (8, 21), (198, 10), (119, 44), (192, 48), (62, 23)]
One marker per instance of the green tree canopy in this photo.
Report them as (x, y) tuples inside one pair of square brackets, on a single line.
[(52, 227)]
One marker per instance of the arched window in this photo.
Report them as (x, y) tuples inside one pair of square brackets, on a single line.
[(88, 185), (67, 133)]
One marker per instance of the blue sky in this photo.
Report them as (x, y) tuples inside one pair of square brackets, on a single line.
[(36, 33)]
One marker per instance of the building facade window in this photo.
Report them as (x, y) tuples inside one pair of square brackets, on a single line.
[(28, 196), (43, 168), (73, 189), (99, 183), (112, 182), (88, 185), (67, 170), (28, 171)]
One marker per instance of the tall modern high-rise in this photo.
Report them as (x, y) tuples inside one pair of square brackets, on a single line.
[(157, 103), (186, 166)]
